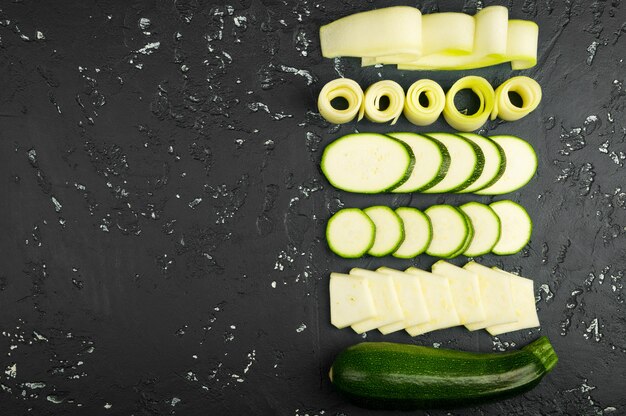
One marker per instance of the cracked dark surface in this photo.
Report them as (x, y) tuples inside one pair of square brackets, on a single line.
[(163, 213)]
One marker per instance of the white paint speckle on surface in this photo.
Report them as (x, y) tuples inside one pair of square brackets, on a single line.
[(149, 48), (144, 23), (301, 328), (11, 370)]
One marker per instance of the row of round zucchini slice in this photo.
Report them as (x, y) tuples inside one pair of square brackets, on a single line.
[(429, 163), (445, 231)]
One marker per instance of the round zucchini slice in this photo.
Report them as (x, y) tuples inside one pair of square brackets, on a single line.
[(450, 230), (367, 163), (516, 227), (389, 230), (495, 162), (417, 233), (431, 158), (486, 228), (466, 163), (350, 233), (521, 165)]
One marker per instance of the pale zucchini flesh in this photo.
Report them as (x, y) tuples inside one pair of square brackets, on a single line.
[(486, 225), (350, 233), (389, 230), (424, 115), (351, 300), (371, 107), (340, 88), (465, 291), (418, 233), (411, 297), (367, 163), (393, 32), (524, 304), (486, 96), (431, 165), (450, 230), (516, 227), (528, 90), (494, 158), (466, 161), (386, 301), (497, 296), (521, 165), (439, 301)]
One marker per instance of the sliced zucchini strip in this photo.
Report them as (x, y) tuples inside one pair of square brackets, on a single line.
[(340, 88), (450, 33), (485, 93), (388, 310), (489, 48), (371, 103), (393, 32), (368, 163), (389, 230), (529, 91), (445, 41), (350, 233), (431, 156), (521, 45), (523, 294), (351, 300), (421, 115), (516, 227)]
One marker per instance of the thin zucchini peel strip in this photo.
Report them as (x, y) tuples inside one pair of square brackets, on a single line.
[(344, 88), (529, 91), (371, 102), (485, 93), (421, 115)]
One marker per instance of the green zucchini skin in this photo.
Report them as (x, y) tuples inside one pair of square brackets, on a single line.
[(383, 375)]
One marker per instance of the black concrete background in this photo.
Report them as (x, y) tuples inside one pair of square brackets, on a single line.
[(162, 210)]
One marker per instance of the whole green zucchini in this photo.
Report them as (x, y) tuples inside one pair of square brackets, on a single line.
[(401, 376)]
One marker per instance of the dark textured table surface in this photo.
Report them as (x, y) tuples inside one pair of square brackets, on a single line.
[(163, 214)]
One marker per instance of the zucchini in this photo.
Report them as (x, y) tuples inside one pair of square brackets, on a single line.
[(470, 234), (450, 231), (344, 88), (461, 120), (350, 233), (495, 162), (368, 163), (486, 228), (424, 115), (520, 166), (516, 227), (371, 102), (387, 375), (389, 230), (417, 233), (432, 158), (466, 163)]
